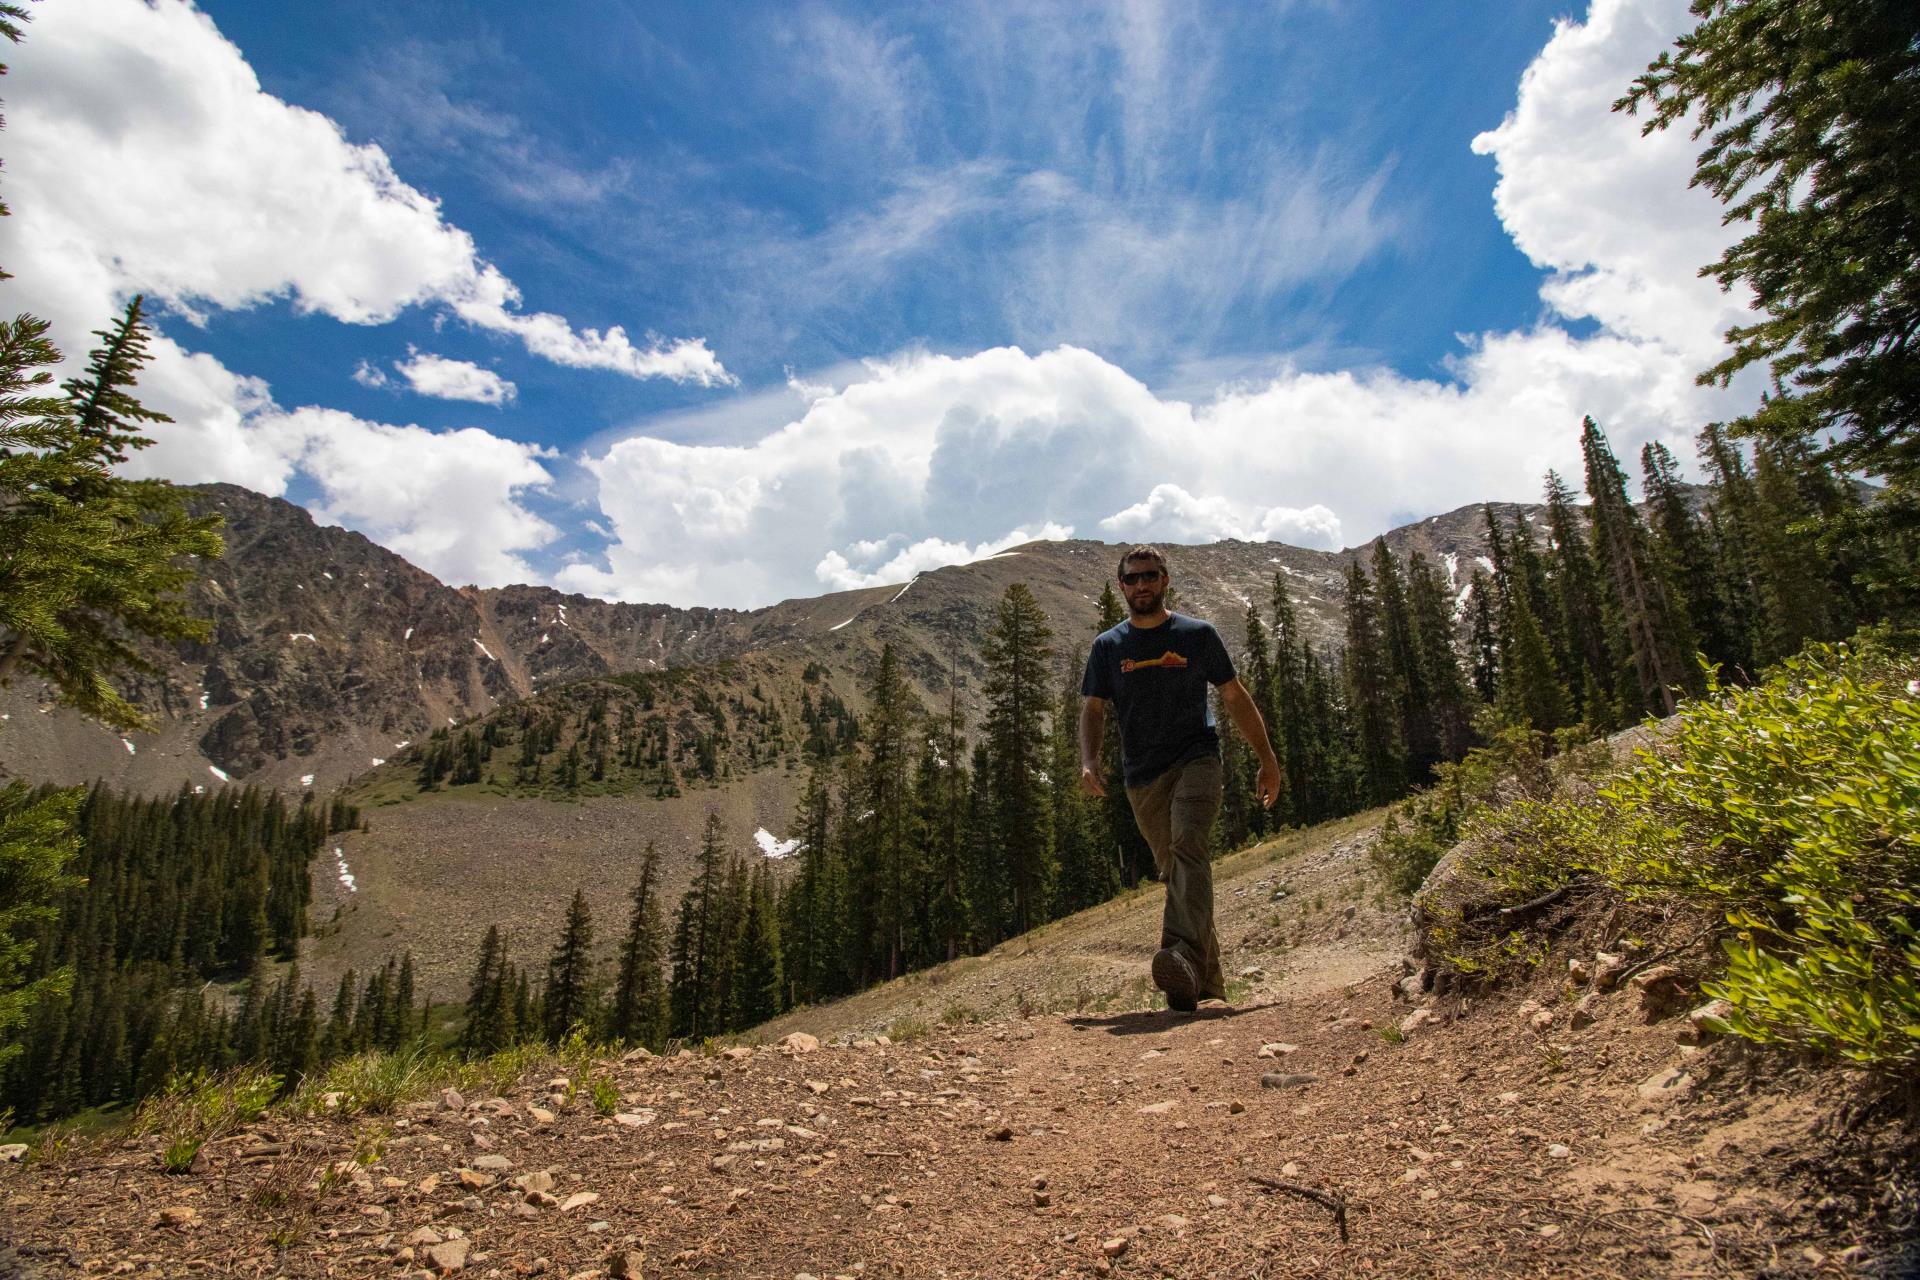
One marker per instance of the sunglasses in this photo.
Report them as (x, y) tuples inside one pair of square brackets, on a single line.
[(1143, 575)]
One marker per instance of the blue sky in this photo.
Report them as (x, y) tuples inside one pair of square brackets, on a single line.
[(896, 286)]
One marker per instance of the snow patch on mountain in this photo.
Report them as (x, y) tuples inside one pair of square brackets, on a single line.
[(774, 847)]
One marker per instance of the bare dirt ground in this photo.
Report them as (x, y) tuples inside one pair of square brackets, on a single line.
[(1102, 1139)]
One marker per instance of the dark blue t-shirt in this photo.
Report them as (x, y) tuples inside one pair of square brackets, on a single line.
[(1157, 678)]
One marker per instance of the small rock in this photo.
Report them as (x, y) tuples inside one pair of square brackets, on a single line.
[(474, 1180), (1559, 1151), (1710, 1019), (1288, 1080), (178, 1216), (1253, 973), (639, 1053), (799, 1042), (13, 1153), (1662, 991), (736, 1053), (1041, 1199), (538, 1180), (493, 1163), (1114, 1247), (633, 1119), (1607, 967), (559, 1084), (1663, 1088), (425, 1236), (579, 1200), (625, 1264), (1217, 1201), (1542, 1021), (448, 1256), (1278, 1049), (1415, 1020), (1003, 1134), (540, 1115), (1172, 1222), (1579, 972), (1158, 1108), (1582, 1015), (1507, 1099), (451, 1100), (1236, 1107)]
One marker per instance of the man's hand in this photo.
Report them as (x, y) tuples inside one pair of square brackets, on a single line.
[(1269, 782), (1091, 782)]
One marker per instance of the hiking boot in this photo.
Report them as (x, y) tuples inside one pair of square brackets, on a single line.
[(1174, 974)]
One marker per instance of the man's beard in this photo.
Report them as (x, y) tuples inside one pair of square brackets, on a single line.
[(1147, 610)]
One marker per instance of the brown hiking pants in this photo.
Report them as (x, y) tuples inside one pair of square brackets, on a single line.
[(1175, 813)]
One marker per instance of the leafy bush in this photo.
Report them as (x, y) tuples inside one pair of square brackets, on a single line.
[(1792, 809), (606, 1096), (1419, 831)]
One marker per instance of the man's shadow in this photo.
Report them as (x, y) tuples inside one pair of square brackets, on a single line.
[(1148, 1021)]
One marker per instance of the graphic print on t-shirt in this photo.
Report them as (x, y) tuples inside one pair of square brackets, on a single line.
[(1168, 659)]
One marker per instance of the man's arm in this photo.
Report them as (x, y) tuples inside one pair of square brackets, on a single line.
[(1093, 728), (1246, 718)]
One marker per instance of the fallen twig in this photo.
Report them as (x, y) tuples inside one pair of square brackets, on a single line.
[(1326, 1199)]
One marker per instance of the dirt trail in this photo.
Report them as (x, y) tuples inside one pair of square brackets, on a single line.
[(1114, 1140)]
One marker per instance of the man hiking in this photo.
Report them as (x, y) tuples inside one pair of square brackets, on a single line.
[(1154, 667)]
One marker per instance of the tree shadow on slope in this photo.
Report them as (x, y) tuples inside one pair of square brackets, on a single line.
[(1148, 1021)]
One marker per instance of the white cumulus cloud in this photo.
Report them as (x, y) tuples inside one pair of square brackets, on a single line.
[(144, 157), (451, 502), (927, 457), (433, 375)]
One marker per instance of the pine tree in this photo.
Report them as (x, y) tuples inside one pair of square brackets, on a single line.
[(639, 1012), (1647, 615), (1120, 834), (1797, 598), (697, 940), (1433, 633), (945, 805), (1086, 871), (1406, 668), (1372, 695), (96, 560), (1290, 714), (1579, 611), (890, 868), (757, 985), (1017, 651), (568, 999), (811, 915), (491, 1024), (338, 1039), (37, 842)]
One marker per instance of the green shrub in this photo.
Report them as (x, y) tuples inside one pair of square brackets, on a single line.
[(378, 1082), (905, 1030), (1792, 810), (606, 1096), (1418, 831)]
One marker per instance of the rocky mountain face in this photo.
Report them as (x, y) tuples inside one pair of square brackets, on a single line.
[(330, 655)]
